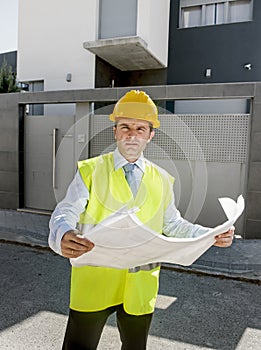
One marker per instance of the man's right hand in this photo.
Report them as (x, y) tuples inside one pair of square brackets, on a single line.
[(74, 245)]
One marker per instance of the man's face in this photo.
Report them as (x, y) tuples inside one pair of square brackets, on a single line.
[(132, 136)]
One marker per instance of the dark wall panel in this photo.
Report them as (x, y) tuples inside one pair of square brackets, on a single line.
[(223, 48)]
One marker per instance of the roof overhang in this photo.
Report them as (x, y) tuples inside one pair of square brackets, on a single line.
[(126, 54)]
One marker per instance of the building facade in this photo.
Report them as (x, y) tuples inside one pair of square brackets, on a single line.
[(210, 41), (214, 42), (115, 43)]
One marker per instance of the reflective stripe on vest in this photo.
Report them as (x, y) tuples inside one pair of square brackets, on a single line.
[(147, 267), (95, 288)]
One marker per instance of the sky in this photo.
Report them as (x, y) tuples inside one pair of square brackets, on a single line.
[(8, 25)]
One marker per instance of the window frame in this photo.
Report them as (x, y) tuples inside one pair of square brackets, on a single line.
[(203, 4)]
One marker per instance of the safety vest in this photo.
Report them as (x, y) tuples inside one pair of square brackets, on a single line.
[(95, 288)]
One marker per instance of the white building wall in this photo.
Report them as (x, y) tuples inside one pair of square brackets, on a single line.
[(153, 26), (50, 42)]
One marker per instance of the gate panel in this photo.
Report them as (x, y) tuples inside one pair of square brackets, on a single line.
[(49, 159)]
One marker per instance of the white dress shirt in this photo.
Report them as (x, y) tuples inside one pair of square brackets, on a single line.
[(66, 214)]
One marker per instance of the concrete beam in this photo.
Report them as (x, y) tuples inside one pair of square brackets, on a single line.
[(126, 54), (166, 92)]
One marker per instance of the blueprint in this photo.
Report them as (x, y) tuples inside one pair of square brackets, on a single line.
[(122, 241)]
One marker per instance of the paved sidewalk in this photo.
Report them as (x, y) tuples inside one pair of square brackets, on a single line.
[(242, 260)]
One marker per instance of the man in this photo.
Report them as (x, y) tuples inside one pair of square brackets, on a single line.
[(99, 189)]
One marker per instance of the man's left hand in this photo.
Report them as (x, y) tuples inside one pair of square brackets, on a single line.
[(225, 239)]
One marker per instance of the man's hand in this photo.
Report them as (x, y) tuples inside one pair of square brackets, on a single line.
[(74, 245), (225, 239)]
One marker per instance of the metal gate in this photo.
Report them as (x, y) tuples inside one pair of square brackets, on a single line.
[(49, 160)]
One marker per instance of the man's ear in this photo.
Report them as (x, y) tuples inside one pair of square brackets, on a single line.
[(114, 131), (152, 134)]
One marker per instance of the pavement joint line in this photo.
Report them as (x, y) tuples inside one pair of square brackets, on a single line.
[(221, 275), (27, 244)]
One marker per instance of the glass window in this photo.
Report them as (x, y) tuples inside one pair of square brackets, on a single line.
[(36, 86), (118, 18), (240, 11), (210, 14), (191, 16), (220, 13)]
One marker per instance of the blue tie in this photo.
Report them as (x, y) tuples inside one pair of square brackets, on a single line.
[(130, 177)]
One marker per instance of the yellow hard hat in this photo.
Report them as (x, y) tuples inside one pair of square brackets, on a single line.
[(137, 105)]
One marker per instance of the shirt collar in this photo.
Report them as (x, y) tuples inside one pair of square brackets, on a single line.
[(120, 161)]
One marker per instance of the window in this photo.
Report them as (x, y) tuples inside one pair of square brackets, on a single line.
[(192, 16), (194, 13), (240, 11), (36, 86), (221, 10), (210, 14), (118, 18)]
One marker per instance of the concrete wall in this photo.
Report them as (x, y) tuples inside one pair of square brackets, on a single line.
[(153, 26), (11, 172), (105, 73), (50, 42), (9, 151)]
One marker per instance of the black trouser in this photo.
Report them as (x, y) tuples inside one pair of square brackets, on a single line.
[(84, 329)]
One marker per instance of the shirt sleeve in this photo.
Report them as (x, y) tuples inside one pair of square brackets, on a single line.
[(66, 214), (175, 226)]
